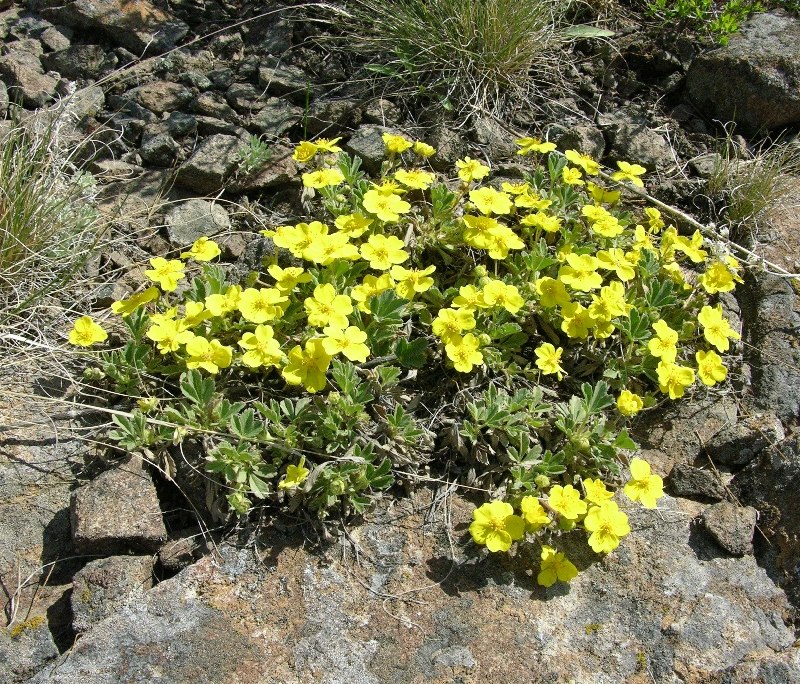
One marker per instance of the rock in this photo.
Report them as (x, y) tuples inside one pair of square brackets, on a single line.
[(3, 100), (694, 483), (450, 147), (123, 105), (367, 143), (276, 118), (106, 585), (244, 97), (157, 147), (210, 165), (586, 139), (213, 104), (651, 604), (737, 445), (195, 79), (161, 96), (220, 78), (271, 34), (179, 124), (117, 511), (77, 61), (55, 39), (329, 117), (113, 169), (636, 143), (23, 74), (755, 79), (770, 484), (195, 218), (706, 165), (180, 552), (208, 125), (139, 26), (85, 103), (731, 526), (279, 170), (26, 646), (381, 111), (279, 78), (497, 141)]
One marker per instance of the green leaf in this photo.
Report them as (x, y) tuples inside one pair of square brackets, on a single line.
[(623, 441), (587, 31), (596, 398), (411, 354), (245, 426), (636, 327), (197, 389), (660, 294), (387, 308)]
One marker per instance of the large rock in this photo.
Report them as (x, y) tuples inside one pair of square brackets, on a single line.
[(195, 218), (77, 61), (731, 526), (409, 607), (26, 646), (276, 118), (26, 80), (138, 26), (117, 511), (161, 96), (755, 79), (210, 165)]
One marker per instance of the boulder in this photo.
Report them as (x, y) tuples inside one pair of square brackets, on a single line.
[(26, 646), (694, 483), (23, 75), (117, 511), (161, 96), (731, 526), (77, 61), (208, 168), (276, 117), (755, 79), (737, 445), (195, 218)]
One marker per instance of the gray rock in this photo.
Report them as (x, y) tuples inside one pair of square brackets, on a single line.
[(270, 35), (106, 585), (55, 38), (694, 483), (737, 445), (279, 78), (157, 147), (220, 78), (586, 139), (329, 117), (123, 105), (367, 143), (772, 322), (161, 96), (245, 97), (77, 61), (26, 646), (138, 26), (3, 100), (706, 165), (381, 111), (178, 553), (276, 118), (114, 169), (497, 141), (755, 79), (23, 74), (117, 511), (771, 485), (212, 162), (208, 125), (179, 124), (195, 79), (279, 170), (86, 102), (214, 105), (731, 526), (450, 147), (636, 143), (195, 218)]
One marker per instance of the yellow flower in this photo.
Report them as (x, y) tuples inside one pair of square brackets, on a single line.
[(548, 359), (572, 176), (643, 485), (386, 207), (601, 195), (470, 298), (415, 179), (326, 308), (629, 172), (490, 201), (674, 379), (616, 260), (295, 475), (607, 525), (716, 328), (628, 403), (498, 293), (304, 151), (580, 273), (396, 144), (484, 232), (471, 170), (691, 248), (551, 292), (654, 221), (577, 321), (353, 225), (166, 272), (369, 287), (530, 145), (555, 567), (719, 278), (463, 352), (85, 332), (589, 165), (203, 249), (533, 513), (329, 248), (664, 345), (602, 221), (495, 525), (210, 355), (611, 302), (307, 366), (710, 368), (297, 239), (323, 178), (423, 149), (410, 282), (596, 491), (125, 307), (450, 323), (349, 342), (221, 304), (286, 279), (383, 252), (328, 145), (543, 221), (261, 348), (566, 501), (195, 313), (262, 305)]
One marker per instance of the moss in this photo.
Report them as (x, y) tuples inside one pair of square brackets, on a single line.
[(593, 627), (17, 629)]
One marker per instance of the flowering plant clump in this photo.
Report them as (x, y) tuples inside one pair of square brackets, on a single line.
[(350, 352)]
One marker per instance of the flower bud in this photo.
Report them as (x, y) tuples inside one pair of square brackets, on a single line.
[(542, 482)]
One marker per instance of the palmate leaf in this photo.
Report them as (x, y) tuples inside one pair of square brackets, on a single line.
[(636, 327), (197, 389), (596, 398), (411, 354)]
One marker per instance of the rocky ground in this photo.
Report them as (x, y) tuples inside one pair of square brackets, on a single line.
[(108, 578)]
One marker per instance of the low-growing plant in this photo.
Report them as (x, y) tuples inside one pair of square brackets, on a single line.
[(510, 326), (718, 19), (253, 157)]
